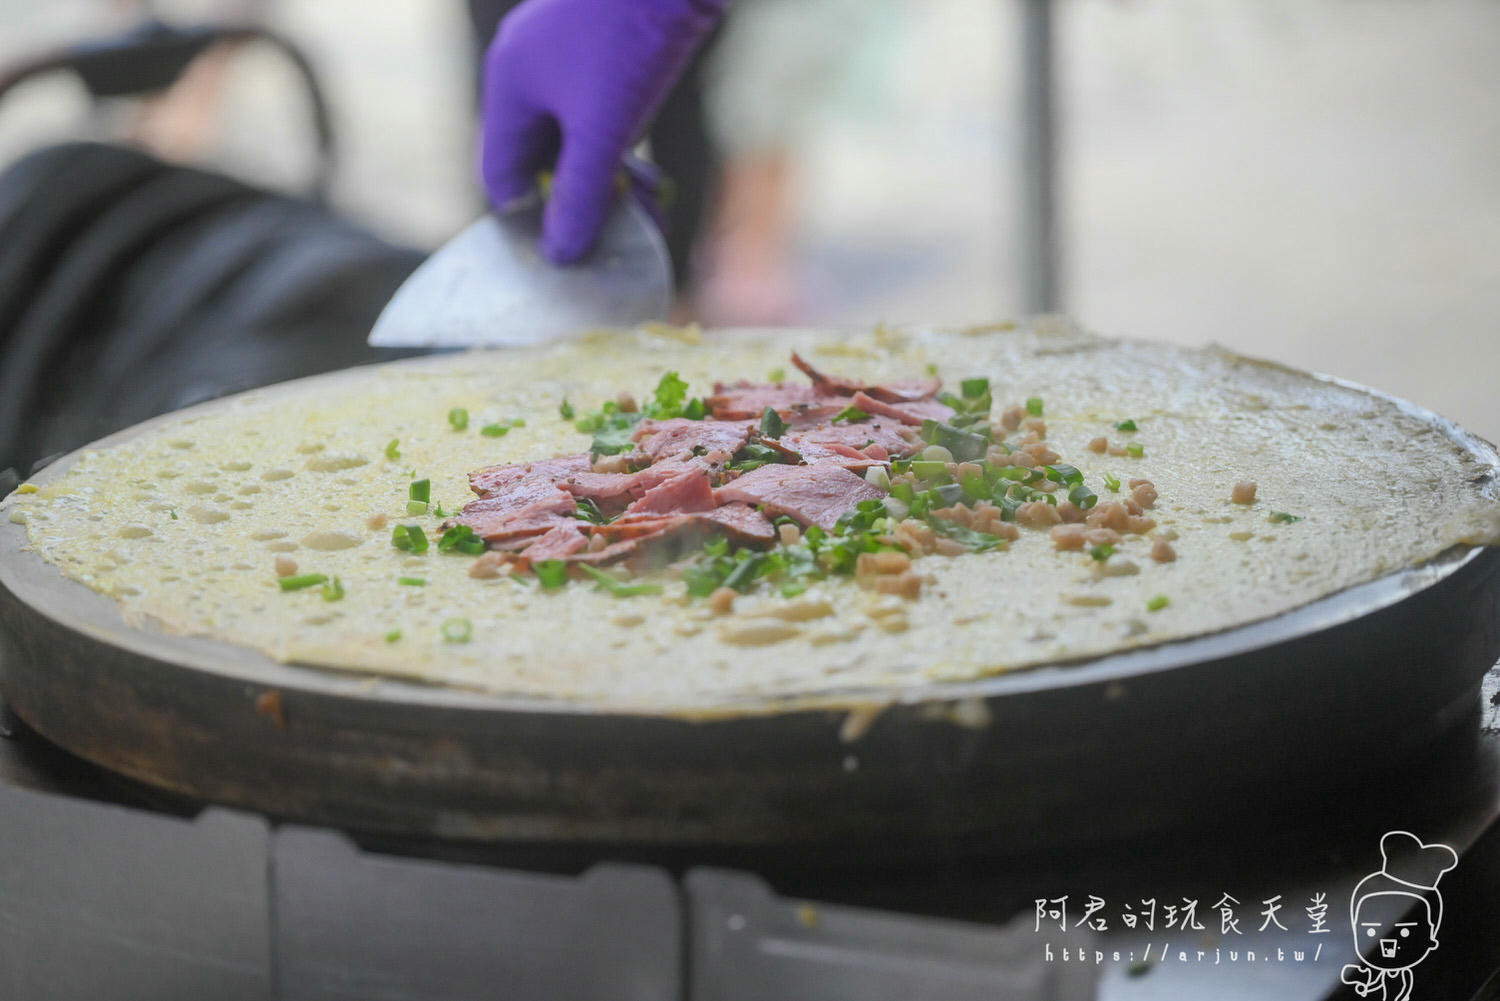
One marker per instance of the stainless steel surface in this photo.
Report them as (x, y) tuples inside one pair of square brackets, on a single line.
[(102, 901), (351, 926), (751, 945), (1038, 251), (490, 286)]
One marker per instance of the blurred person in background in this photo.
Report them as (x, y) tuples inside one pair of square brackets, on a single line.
[(773, 61)]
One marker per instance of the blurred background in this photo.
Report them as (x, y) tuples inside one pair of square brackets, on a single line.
[(1314, 181)]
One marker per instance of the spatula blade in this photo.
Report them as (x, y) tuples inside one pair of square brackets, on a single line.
[(490, 286)]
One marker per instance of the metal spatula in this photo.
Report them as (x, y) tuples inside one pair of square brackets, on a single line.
[(490, 286)]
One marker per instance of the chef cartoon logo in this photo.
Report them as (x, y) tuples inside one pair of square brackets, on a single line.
[(1396, 913)]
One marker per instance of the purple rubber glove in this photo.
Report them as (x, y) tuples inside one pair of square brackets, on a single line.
[(578, 81)]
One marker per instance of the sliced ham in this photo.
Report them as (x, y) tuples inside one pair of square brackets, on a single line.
[(681, 438), (614, 492), (560, 541), (858, 436), (655, 511), (682, 494), (813, 453), (507, 529), (660, 472), (913, 412), (746, 401), (813, 495), (743, 523), (530, 497), (613, 551), (495, 479), (531, 505), (635, 526), (894, 391), (608, 491)]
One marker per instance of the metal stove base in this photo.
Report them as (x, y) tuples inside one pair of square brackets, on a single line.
[(103, 895), (104, 900)]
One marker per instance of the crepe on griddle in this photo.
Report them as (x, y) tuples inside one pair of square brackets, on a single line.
[(182, 524)]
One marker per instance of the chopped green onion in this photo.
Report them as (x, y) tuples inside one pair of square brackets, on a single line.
[(771, 424), (1008, 505), (700, 581), (925, 469), (1082, 496), (755, 455), (1135, 450), (1034, 406), (1284, 518), (974, 388), (615, 586), (849, 415), (410, 538), (670, 395), (394, 636), (1126, 425), (393, 449), (517, 422), (1064, 473), (1157, 603), (297, 582), (776, 375), (495, 430), (742, 576), (948, 494), (1112, 482), (462, 538), (931, 368), (438, 512), (333, 590), (416, 507), (588, 511), (613, 434), (412, 581), (1102, 553), (457, 630), (459, 418), (977, 541), (792, 588), (421, 490), (965, 446), (565, 410), (974, 486), (551, 573), (173, 513), (968, 420)]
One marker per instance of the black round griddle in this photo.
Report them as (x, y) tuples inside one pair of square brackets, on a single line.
[(1243, 723)]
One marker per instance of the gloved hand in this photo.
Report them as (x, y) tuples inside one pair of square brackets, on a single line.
[(579, 80)]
